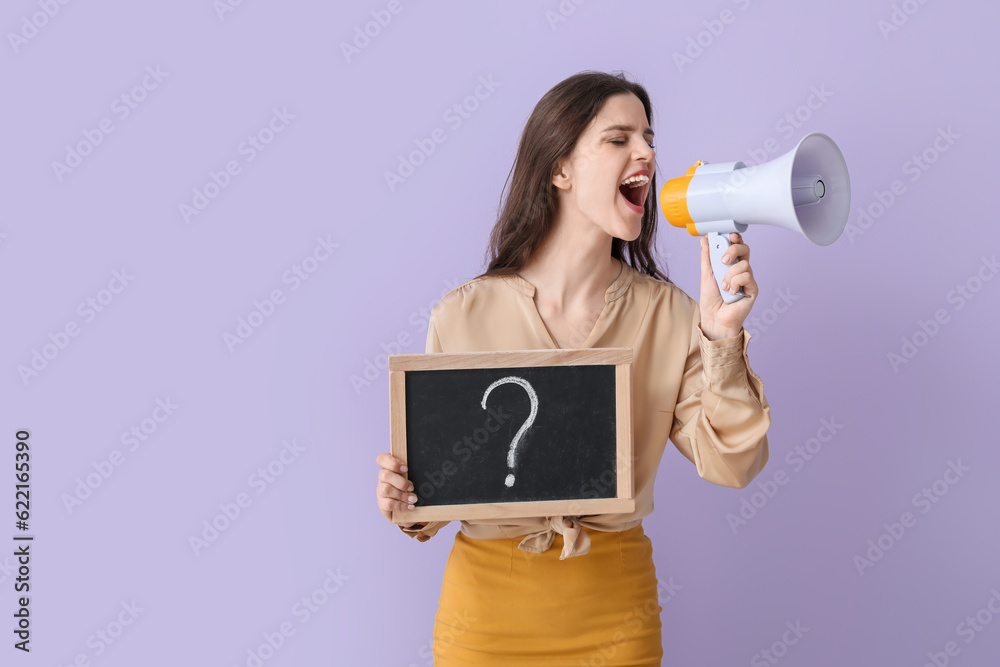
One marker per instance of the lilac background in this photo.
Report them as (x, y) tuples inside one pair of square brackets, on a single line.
[(399, 250)]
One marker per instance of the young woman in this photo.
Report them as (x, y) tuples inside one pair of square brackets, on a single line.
[(570, 266)]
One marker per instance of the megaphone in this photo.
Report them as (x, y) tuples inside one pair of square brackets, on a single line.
[(806, 190)]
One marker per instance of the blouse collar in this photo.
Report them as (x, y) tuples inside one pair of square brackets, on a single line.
[(615, 290)]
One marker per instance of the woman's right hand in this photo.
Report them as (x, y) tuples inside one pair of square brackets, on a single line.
[(394, 492)]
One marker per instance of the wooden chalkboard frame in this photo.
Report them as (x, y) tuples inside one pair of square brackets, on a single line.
[(620, 357)]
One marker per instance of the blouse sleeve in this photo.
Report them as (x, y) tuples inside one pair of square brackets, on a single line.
[(721, 416), (425, 531)]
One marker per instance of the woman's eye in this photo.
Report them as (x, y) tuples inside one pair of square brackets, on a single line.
[(622, 142)]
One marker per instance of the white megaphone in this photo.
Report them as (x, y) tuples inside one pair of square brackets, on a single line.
[(806, 190)]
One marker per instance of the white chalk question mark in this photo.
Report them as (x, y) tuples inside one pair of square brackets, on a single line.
[(524, 427)]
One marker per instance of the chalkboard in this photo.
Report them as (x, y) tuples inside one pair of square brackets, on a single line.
[(514, 434)]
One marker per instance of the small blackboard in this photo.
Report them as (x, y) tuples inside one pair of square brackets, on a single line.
[(514, 434)]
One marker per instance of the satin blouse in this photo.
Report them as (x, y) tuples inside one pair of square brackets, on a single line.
[(700, 394)]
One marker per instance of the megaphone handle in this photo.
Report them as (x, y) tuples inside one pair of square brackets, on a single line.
[(718, 243)]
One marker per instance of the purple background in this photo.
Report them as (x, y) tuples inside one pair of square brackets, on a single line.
[(886, 97)]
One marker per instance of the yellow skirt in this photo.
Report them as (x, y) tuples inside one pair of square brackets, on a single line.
[(504, 606)]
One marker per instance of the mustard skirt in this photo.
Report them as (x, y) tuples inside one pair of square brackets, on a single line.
[(504, 606)]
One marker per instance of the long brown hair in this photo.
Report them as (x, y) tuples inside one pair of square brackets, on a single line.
[(526, 215)]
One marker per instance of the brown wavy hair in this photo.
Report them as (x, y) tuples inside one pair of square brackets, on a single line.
[(526, 214)]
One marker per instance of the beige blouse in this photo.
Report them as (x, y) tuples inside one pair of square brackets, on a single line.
[(700, 394)]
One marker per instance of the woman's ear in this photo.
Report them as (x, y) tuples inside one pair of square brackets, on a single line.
[(560, 177)]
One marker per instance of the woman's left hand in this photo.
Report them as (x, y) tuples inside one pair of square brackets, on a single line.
[(718, 318)]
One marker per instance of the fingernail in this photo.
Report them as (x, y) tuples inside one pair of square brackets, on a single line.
[(725, 258), (410, 487), (409, 507), (412, 499), (725, 284), (403, 468)]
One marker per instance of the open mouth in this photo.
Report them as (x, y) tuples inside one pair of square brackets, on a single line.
[(634, 189)]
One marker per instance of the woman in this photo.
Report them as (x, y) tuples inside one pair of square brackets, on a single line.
[(570, 267)]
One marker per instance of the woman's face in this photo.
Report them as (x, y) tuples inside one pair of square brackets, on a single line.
[(616, 146)]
